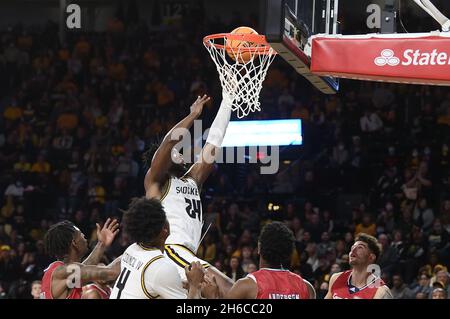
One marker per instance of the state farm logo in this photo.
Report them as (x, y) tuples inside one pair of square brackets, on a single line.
[(387, 58), (413, 57)]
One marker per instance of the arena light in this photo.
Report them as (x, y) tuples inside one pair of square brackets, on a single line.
[(263, 133)]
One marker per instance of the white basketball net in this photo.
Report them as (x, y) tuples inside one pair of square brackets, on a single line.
[(241, 81)]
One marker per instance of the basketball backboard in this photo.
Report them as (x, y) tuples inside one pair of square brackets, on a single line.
[(289, 24)]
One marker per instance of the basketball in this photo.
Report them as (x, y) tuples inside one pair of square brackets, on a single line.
[(233, 46)]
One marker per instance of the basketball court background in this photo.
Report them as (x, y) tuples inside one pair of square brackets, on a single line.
[(343, 172)]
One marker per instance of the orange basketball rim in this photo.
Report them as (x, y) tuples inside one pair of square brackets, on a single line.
[(242, 61)]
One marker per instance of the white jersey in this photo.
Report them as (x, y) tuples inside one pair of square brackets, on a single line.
[(147, 274), (183, 207)]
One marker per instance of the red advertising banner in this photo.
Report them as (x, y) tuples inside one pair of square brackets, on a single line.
[(415, 59)]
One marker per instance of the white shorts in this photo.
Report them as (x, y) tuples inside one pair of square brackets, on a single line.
[(182, 256)]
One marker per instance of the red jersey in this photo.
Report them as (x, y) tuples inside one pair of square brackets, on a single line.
[(75, 293), (343, 289), (104, 292), (279, 284)]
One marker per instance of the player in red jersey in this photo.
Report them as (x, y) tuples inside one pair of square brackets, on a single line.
[(362, 281), (64, 278), (272, 280), (96, 290)]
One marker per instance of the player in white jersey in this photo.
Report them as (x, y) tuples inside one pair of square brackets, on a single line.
[(177, 186), (146, 273)]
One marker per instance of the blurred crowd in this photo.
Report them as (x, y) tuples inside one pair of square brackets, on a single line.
[(77, 116)]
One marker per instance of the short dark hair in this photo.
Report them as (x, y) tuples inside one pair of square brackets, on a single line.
[(59, 238), (144, 219), (371, 242), (276, 244)]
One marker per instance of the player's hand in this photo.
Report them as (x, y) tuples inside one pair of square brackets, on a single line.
[(108, 232), (197, 106), (195, 274), (210, 289)]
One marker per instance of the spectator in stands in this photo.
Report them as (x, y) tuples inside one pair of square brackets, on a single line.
[(445, 215), (36, 289), (246, 259), (389, 255), (399, 289), (443, 277), (370, 122), (340, 155), (439, 293), (74, 122), (423, 215), (235, 271), (386, 220), (439, 240), (420, 181), (422, 286), (325, 245), (313, 258), (366, 226)]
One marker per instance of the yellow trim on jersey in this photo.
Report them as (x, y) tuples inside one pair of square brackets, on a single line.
[(174, 256), (180, 261), (166, 189), (147, 248), (183, 247), (149, 295)]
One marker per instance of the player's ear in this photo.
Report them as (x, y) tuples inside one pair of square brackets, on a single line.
[(166, 229), (74, 244)]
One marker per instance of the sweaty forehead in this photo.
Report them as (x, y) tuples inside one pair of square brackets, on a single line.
[(360, 243)]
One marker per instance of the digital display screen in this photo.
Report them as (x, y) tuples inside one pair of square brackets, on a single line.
[(263, 133)]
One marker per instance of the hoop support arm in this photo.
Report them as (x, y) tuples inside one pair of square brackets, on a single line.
[(434, 12)]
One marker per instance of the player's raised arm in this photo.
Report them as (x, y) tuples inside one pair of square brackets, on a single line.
[(105, 236), (78, 275), (162, 160), (244, 288), (205, 163)]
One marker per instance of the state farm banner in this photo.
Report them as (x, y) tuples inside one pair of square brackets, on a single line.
[(419, 59)]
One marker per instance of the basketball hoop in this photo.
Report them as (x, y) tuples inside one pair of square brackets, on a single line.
[(242, 69)]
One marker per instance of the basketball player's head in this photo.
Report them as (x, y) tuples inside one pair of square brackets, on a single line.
[(365, 251), (63, 239), (145, 222), (178, 167), (275, 245)]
